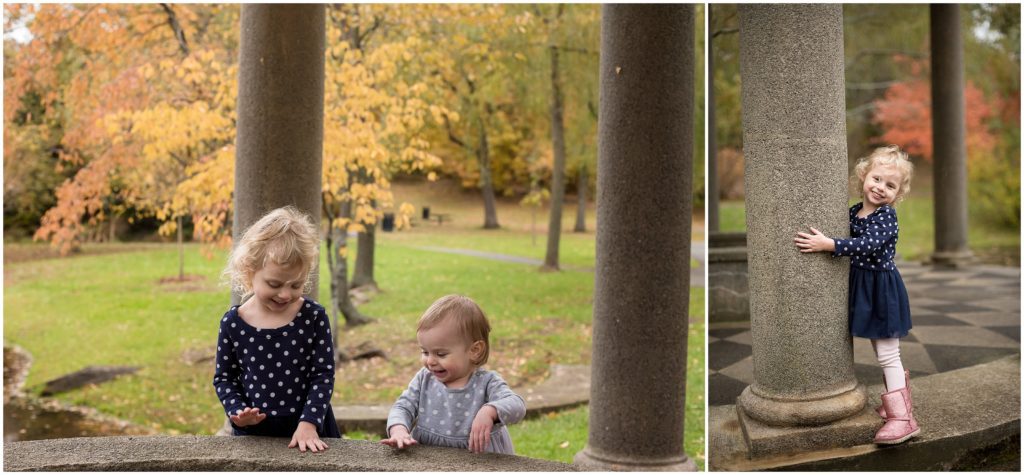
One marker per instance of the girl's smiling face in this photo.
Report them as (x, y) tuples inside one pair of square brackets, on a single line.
[(881, 186), (276, 287), (447, 355)]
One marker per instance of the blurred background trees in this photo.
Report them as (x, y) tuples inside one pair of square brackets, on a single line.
[(888, 96)]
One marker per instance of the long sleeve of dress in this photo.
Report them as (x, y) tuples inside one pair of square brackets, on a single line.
[(321, 370), (227, 377), (406, 408), (511, 408), (880, 228)]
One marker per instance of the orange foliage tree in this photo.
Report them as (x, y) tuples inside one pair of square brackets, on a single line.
[(905, 115), (143, 96)]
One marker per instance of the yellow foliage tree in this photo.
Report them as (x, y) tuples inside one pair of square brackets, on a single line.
[(376, 112)]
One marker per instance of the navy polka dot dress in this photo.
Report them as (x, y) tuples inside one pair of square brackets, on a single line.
[(879, 307), (286, 372)]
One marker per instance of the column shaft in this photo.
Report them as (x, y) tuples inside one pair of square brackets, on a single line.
[(794, 139), (950, 151), (712, 192), (641, 291), (279, 146)]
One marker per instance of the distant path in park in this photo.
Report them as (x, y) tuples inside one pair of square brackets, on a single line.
[(696, 252)]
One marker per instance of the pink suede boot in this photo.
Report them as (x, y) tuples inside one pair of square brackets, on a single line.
[(900, 424), (906, 374)]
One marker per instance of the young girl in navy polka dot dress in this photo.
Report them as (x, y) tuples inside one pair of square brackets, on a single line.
[(452, 402), (275, 356), (879, 308)]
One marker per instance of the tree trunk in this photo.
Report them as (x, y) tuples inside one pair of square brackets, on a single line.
[(483, 155), (181, 251), (366, 243), (558, 174), (582, 182), (337, 244)]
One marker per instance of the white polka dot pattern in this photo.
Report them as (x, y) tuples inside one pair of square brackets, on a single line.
[(872, 244), (239, 370), (443, 427)]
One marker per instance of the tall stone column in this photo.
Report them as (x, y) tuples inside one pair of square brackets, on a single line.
[(950, 173), (279, 148), (641, 288), (712, 192), (794, 140)]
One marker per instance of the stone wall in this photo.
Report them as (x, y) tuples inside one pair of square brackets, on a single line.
[(728, 288), (244, 454)]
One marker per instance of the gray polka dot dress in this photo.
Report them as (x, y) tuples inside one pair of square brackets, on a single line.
[(443, 417), (879, 305), (286, 372)]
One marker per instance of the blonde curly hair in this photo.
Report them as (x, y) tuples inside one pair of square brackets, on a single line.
[(890, 155), (284, 236)]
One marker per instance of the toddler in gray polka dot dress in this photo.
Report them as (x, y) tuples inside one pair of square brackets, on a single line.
[(275, 354), (452, 401)]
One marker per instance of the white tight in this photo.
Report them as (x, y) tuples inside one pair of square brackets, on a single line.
[(888, 352)]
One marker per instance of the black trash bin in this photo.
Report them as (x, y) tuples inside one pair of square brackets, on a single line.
[(388, 224), (426, 213)]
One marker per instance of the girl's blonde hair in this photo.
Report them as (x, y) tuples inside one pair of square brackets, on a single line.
[(890, 155), (284, 236), (468, 317)]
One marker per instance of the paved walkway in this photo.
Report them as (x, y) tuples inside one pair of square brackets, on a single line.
[(696, 252), (961, 318)]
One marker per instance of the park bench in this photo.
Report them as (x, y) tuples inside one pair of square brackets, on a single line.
[(441, 217)]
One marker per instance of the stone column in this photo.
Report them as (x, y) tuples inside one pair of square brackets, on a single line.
[(279, 148), (950, 173), (641, 290), (712, 152), (794, 139)]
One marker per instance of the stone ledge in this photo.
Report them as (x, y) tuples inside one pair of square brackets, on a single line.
[(963, 414), (244, 454)]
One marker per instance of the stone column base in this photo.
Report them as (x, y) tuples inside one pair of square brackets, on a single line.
[(813, 412), (587, 460), (953, 259), (765, 440)]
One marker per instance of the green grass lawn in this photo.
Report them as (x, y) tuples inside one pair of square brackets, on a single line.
[(992, 243), (108, 308)]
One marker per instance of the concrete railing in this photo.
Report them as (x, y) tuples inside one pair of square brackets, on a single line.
[(246, 454)]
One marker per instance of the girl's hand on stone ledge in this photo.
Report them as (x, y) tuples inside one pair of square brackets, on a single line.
[(814, 242), (480, 434), (249, 416), (400, 438), (305, 437)]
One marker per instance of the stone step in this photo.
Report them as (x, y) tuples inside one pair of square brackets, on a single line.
[(969, 419), (567, 386)]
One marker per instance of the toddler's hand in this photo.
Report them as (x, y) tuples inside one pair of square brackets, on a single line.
[(400, 438), (814, 242), (249, 416), (480, 434), (305, 437)]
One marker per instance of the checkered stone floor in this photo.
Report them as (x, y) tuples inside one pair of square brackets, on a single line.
[(961, 318)]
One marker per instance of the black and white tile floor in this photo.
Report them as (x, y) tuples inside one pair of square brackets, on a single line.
[(961, 318)]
